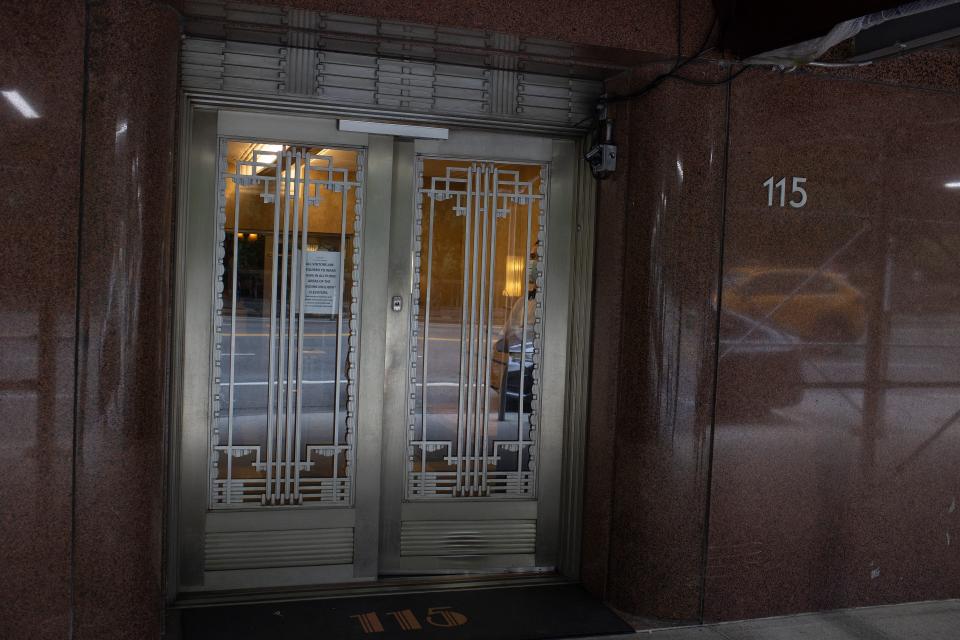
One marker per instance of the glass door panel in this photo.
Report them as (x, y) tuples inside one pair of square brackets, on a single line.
[(271, 435), (285, 326), (476, 329)]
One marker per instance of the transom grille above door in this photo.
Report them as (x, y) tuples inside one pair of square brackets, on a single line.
[(285, 325), (476, 329)]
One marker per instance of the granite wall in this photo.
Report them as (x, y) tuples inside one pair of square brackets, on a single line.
[(42, 178), (87, 169), (806, 460), (754, 447)]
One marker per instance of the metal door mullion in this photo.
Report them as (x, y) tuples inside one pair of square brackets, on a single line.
[(523, 336), (471, 379), (283, 340), (233, 339), (274, 346), (339, 350), (302, 290), (461, 423), (426, 335), (482, 328), (479, 390), (535, 439), (355, 285), (292, 352), (489, 337)]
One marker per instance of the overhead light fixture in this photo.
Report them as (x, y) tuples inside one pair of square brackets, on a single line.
[(390, 129), (952, 185), (20, 104), (271, 156)]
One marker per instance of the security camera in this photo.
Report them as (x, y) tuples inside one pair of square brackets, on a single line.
[(602, 157)]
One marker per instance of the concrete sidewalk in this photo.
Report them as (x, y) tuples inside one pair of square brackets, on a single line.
[(938, 620)]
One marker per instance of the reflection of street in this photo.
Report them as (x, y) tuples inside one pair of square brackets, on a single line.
[(922, 351), (911, 415), (318, 363), (808, 487), (251, 366), (318, 376), (442, 369)]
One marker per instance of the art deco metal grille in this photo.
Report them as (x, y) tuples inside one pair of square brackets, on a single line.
[(351, 61), (476, 329), (285, 325)]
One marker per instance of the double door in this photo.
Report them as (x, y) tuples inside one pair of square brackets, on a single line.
[(372, 355)]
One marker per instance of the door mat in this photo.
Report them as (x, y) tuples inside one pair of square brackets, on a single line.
[(516, 613)]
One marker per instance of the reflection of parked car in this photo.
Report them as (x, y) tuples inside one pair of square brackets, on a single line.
[(814, 305), (760, 367), (506, 364)]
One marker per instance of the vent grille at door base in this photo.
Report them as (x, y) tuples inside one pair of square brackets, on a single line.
[(467, 537), (269, 549)]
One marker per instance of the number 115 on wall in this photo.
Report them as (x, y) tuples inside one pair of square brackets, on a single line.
[(797, 191)]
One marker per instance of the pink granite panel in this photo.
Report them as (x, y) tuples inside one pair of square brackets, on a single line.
[(665, 373), (927, 69), (41, 193), (835, 476), (125, 282)]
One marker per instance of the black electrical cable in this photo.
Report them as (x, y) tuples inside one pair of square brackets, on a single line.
[(678, 65), (671, 73), (590, 117), (701, 83), (711, 83)]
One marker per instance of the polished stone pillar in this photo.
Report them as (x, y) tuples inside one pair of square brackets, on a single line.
[(124, 318), (654, 348)]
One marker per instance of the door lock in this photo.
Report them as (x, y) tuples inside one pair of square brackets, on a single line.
[(397, 303)]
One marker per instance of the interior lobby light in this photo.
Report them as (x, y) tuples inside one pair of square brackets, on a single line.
[(20, 104), (516, 266), (952, 185), (268, 158)]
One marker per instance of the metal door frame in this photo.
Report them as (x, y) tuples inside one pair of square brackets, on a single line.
[(555, 155), (195, 297), (198, 109)]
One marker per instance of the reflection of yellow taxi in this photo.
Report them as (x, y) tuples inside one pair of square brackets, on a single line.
[(815, 305)]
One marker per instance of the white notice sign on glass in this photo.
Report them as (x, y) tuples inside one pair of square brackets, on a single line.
[(322, 282)]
